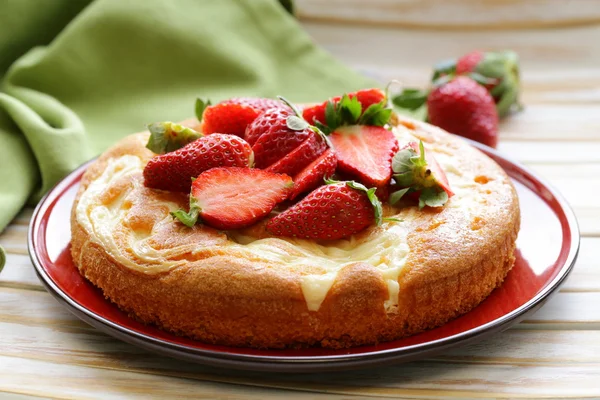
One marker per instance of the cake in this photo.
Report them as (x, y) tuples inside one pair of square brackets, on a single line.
[(419, 268)]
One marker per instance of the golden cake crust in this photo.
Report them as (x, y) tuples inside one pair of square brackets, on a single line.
[(456, 259)]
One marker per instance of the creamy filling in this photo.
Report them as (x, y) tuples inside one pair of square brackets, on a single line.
[(387, 250)]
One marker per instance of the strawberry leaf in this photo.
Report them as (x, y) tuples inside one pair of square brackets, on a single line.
[(396, 196), (411, 99), (200, 107), (377, 114), (375, 202), (432, 197), (168, 136), (332, 118), (349, 110), (190, 218), (445, 67), (296, 123)]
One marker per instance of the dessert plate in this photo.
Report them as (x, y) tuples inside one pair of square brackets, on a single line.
[(547, 248)]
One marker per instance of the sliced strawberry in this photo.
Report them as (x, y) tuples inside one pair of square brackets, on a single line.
[(268, 119), (300, 157), (234, 198), (330, 212), (174, 171), (365, 152), (278, 141), (313, 175), (234, 115), (437, 173), (366, 97)]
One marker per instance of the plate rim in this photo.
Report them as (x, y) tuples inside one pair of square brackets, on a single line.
[(320, 362)]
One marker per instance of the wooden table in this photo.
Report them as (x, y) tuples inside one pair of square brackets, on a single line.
[(45, 351)]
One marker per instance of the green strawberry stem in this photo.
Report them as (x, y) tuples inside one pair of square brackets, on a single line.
[(168, 136), (190, 218), (413, 175)]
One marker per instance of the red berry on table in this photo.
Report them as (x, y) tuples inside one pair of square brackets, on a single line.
[(234, 198), (465, 108), (174, 171), (365, 152), (333, 211), (314, 174), (234, 115)]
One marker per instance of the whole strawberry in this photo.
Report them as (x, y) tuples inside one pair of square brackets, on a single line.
[(174, 171), (232, 116), (333, 211), (464, 107)]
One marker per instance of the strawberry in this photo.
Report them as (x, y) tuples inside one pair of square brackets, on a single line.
[(174, 171), (419, 175), (300, 157), (234, 198), (278, 139), (169, 136), (365, 97), (313, 175), (465, 108), (333, 211), (232, 116), (264, 123), (468, 63), (365, 152)]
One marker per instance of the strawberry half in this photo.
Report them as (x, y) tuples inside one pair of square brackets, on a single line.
[(418, 172), (333, 211), (232, 116), (174, 171), (234, 198), (313, 176), (365, 152), (365, 97)]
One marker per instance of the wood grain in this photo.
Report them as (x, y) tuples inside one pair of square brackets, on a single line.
[(455, 15)]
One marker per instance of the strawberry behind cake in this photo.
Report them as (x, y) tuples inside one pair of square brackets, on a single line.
[(256, 225)]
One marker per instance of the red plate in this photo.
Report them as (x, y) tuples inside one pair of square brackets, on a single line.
[(547, 248)]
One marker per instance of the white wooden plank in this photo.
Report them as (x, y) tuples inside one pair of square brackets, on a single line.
[(550, 152), (458, 14), (19, 272)]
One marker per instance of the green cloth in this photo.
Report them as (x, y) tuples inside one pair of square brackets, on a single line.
[(104, 70)]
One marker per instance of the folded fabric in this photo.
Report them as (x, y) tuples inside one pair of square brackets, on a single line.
[(118, 65)]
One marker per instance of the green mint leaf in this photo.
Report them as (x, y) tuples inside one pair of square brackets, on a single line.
[(377, 207), (411, 99), (200, 107), (169, 136), (295, 123), (396, 196), (432, 197)]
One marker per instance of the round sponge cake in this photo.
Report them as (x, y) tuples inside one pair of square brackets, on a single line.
[(245, 288)]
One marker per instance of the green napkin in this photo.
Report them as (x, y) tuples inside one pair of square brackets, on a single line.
[(117, 65)]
